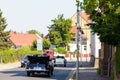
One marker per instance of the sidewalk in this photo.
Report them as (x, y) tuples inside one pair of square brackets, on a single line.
[(86, 72), (89, 75), (9, 66)]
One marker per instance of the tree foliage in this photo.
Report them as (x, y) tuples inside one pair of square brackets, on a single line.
[(5, 42), (34, 32), (61, 50), (105, 15), (59, 31), (34, 45), (46, 44)]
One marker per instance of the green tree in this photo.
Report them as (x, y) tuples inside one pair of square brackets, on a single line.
[(34, 32), (46, 44), (106, 17), (34, 45), (59, 31), (5, 42)]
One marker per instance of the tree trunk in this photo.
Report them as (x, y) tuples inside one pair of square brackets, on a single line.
[(114, 64)]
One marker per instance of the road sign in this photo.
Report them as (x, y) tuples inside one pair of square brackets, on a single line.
[(39, 44)]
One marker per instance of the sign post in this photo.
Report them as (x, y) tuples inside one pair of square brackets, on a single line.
[(39, 44)]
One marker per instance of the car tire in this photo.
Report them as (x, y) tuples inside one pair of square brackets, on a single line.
[(21, 65), (52, 72), (64, 65), (28, 73), (49, 73), (33, 73)]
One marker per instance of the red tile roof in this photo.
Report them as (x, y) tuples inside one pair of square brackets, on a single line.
[(20, 39), (85, 16), (74, 30)]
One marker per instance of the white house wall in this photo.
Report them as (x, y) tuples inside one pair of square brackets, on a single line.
[(95, 45), (92, 44), (72, 47), (98, 45)]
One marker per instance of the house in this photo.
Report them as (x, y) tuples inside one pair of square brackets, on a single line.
[(90, 42), (85, 48), (22, 39)]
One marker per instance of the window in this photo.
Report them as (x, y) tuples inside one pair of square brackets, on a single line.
[(85, 48)]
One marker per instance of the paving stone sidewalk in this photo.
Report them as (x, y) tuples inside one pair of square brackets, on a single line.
[(91, 76), (87, 72)]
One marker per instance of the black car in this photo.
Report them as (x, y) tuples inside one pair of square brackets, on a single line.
[(39, 64), (60, 60), (24, 61)]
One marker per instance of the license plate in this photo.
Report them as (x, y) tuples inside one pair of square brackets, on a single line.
[(37, 68)]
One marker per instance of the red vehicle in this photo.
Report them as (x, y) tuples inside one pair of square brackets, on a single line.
[(50, 53)]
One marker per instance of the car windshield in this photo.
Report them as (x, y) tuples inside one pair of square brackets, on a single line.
[(60, 57), (38, 59), (25, 57)]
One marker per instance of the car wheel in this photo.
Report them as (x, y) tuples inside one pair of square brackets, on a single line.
[(52, 72), (21, 65), (28, 73), (33, 73), (64, 65), (49, 73)]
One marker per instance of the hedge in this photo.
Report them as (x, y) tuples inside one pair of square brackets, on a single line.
[(7, 56)]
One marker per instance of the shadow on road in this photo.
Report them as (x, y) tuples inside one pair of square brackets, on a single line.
[(60, 73)]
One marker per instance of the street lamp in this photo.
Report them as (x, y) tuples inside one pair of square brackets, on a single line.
[(85, 27), (79, 32)]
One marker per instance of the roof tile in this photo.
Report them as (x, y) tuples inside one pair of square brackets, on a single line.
[(20, 39)]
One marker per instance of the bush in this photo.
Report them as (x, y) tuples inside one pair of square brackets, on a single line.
[(61, 50), (24, 49), (11, 55)]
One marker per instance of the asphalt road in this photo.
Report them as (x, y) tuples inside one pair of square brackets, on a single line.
[(60, 73)]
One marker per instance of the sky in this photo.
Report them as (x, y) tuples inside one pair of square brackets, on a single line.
[(25, 15)]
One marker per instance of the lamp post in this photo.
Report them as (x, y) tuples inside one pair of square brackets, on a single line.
[(86, 40), (86, 44), (77, 39)]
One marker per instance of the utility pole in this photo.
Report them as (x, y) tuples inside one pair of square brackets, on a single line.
[(86, 41), (77, 39)]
